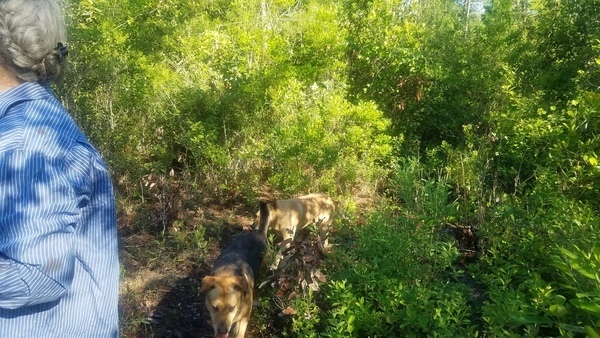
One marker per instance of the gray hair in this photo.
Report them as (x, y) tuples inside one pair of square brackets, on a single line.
[(30, 33)]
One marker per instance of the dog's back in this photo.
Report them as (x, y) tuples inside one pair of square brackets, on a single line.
[(299, 211), (243, 256), (319, 205)]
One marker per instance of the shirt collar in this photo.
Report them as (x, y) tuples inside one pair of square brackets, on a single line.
[(27, 91)]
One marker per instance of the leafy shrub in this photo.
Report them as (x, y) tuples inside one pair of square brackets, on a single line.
[(395, 274), (388, 307), (579, 271), (527, 294), (320, 140)]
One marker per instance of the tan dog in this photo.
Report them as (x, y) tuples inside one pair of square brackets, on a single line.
[(230, 287), (286, 218)]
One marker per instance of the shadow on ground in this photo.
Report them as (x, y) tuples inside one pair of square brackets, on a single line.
[(163, 267), (181, 312)]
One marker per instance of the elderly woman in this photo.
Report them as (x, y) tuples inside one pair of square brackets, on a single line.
[(58, 244)]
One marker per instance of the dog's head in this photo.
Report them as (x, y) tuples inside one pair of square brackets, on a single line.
[(224, 300)]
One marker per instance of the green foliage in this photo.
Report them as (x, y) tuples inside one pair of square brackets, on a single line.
[(425, 200), (437, 310), (319, 139), (579, 272), (553, 147), (387, 284), (398, 278), (521, 276), (306, 322), (229, 91), (469, 171), (562, 38), (418, 61), (569, 303)]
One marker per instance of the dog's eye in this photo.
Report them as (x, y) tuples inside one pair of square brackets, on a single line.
[(231, 308), (216, 308)]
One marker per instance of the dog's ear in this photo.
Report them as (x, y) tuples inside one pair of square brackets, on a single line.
[(274, 204), (207, 283), (264, 208), (270, 201), (265, 201), (263, 215), (241, 284)]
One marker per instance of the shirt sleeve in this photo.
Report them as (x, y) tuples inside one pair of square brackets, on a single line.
[(38, 219)]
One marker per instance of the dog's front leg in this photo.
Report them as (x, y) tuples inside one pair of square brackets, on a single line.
[(240, 327), (283, 246), (287, 236), (323, 226)]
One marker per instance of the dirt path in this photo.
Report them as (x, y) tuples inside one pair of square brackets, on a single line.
[(162, 272)]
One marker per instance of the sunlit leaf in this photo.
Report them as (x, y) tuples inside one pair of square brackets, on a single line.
[(557, 310), (588, 306), (531, 319), (591, 332)]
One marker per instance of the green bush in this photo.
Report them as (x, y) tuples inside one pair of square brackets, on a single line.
[(532, 266), (320, 141), (395, 274)]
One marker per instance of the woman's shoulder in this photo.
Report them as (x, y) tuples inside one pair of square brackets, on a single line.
[(46, 125)]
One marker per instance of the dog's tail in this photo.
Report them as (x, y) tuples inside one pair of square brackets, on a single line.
[(265, 214)]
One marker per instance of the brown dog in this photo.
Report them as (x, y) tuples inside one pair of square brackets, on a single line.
[(230, 287), (286, 218)]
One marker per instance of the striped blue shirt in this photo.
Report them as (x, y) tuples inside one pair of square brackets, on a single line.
[(59, 266)]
